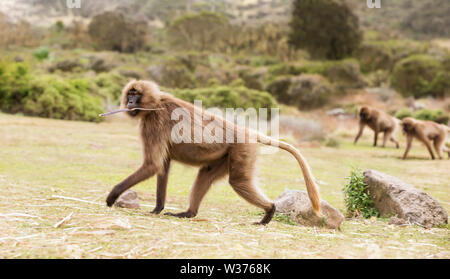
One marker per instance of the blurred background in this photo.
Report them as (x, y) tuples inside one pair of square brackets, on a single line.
[(313, 59)]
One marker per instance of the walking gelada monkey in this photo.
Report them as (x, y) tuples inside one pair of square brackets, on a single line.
[(379, 122), (215, 160), (426, 132)]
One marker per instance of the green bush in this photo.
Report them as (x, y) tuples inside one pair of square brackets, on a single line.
[(420, 75), (227, 97), (309, 92), (344, 73), (200, 31), (113, 30), (373, 57), (109, 85), (47, 95), (404, 112), (356, 197), (424, 114), (41, 53)]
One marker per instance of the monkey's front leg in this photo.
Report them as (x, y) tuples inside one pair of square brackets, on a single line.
[(361, 128), (161, 189), (144, 172), (408, 146), (375, 139)]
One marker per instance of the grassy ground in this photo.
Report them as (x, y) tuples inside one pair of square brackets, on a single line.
[(52, 169)]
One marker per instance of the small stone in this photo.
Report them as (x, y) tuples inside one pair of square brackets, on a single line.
[(297, 204), (129, 199)]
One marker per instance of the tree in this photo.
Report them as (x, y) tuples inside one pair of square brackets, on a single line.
[(113, 31), (197, 31), (325, 28)]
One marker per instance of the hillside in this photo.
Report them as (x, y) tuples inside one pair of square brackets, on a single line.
[(417, 19)]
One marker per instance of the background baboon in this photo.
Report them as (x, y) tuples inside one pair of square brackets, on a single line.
[(379, 122), (214, 159), (426, 132)]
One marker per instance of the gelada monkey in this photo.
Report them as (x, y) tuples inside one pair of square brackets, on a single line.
[(379, 122), (427, 132), (144, 101)]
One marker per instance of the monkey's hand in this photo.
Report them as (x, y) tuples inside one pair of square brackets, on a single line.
[(157, 210), (111, 199)]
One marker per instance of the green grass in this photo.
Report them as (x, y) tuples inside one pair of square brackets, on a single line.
[(42, 160)]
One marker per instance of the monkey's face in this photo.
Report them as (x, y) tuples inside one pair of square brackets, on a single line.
[(364, 114), (407, 125), (133, 101)]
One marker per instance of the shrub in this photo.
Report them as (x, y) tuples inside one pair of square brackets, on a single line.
[(404, 112), (41, 53), (175, 74), (418, 76), (197, 31), (373, 57), (432, 115), (326, 28), (227, 97), (356, 197), (110, 85), (280, 88), (114, 31), (344, 73), (47, 95), (53, 97), (309, 92), (424, 114)]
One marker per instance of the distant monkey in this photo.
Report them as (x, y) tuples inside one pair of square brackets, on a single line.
[(379, 122), (427, 132), (215, 160)]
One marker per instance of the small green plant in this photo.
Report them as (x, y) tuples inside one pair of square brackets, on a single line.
[(356, 196), (41, 53), (284, 218)]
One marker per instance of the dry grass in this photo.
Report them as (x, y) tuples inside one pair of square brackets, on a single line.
[(55, 176)]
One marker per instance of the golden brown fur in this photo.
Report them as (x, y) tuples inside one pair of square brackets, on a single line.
[(214, 159), (427, 132), (379, 122)]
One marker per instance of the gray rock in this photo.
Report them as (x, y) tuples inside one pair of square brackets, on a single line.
[(335, 112), (129, 199), (393, 197), (297, 204)]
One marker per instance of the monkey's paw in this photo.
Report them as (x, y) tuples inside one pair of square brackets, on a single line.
[(156, 210), (186, 214)]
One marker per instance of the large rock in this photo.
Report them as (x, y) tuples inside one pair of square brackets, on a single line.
[(393, 197), (129, 199), (297, 204)]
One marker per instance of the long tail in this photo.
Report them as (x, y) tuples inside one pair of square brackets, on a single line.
[(311, 186)]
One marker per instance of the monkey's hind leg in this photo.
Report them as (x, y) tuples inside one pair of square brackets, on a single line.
[(205, 177), (439, 145), (397, 145), (242, 164)]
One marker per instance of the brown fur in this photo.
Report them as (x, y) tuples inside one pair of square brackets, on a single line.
[(379, 122), (214, 159), (427, 132)]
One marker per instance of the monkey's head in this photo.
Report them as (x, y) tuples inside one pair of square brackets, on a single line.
[(408, 125), (364, 113), (140, 94)]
